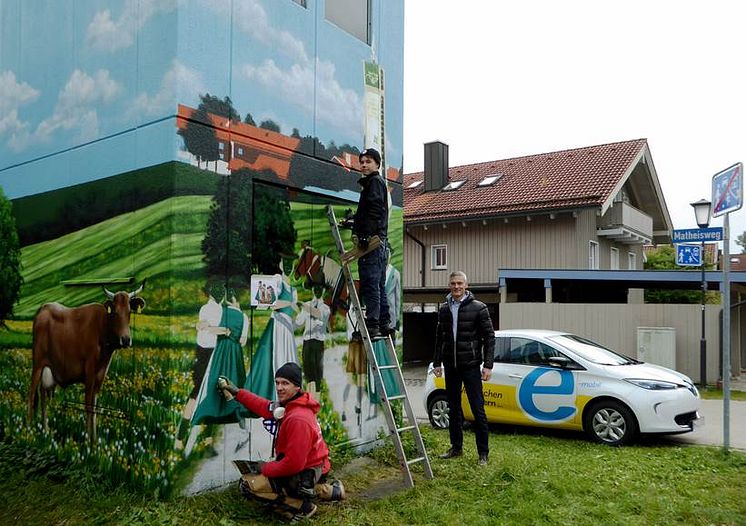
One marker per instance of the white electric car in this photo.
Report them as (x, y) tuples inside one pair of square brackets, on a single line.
[(560, 380)]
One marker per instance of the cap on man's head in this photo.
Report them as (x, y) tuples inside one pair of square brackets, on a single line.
[(291, 372), (372, 153)]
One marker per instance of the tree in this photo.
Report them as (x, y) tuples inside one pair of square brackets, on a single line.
[(248, 229), (249, 119), (274, 231), (10, 260), (199, 139), (270, 125), (216, 106), (664, 258), (741, 242)]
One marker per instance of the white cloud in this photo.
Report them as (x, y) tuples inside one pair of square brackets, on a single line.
[(335, 105), (251, 18), (106, 34), (76, 104), (178, 83), (13, 95)]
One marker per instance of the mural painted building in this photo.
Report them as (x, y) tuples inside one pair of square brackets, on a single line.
[(184, 153)]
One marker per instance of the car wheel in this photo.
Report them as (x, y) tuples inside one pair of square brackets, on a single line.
[(610, 422), (437, 411)]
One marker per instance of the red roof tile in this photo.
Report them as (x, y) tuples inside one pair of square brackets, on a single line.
[(549, 181)]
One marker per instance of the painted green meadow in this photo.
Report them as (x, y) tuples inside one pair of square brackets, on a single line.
[(139, 407)]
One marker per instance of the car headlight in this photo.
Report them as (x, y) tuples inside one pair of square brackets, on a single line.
[(653, 385)]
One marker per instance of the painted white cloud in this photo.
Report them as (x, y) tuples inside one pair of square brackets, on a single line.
[(335, 105), (76, 105), (105, 33), (251, 18), (13, 95), (179, 83)]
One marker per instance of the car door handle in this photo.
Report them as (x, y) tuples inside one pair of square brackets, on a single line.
[(515, 376)]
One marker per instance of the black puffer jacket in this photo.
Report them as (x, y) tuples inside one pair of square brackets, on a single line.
[(475, 338), (372, 215)]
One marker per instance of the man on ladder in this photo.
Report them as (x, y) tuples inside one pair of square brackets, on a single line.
[(372, 219)]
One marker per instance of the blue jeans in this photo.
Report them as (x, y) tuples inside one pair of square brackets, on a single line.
[(372, 270), (471, 379)]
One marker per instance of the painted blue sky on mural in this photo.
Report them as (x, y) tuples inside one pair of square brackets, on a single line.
[(107, 71)]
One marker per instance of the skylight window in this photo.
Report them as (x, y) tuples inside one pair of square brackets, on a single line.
[(453, 185), (415, 184), (489, 180)]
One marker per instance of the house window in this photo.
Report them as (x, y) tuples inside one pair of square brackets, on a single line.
[(415, 184), (221, 151), (592, 255), (632, 260), (453, 185), (351, 15), (240, 150), (614, 265), (489, 180), (439, 257)]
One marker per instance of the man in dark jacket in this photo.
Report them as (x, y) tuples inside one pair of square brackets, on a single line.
[(372, 219), (465, 345)]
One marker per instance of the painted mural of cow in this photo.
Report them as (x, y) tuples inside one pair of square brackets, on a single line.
[(75, 345)]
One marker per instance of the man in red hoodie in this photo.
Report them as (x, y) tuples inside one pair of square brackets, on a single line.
[(299, 471)]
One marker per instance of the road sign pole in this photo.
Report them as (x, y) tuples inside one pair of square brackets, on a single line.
[(703, 340), (726, 334)]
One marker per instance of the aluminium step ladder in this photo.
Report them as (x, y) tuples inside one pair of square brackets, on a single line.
[(390, 367)]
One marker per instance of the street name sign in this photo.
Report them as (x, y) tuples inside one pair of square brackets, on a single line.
[(727, 190), (689, 235), (689, 255)]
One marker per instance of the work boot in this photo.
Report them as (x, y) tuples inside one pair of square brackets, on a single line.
[(452, 453), (330, 490), (374, 332), (306, 511)]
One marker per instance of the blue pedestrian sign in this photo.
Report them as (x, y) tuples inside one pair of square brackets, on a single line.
[(727, 190), (689, 255)]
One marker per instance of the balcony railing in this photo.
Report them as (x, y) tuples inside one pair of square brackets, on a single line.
[(626, 224)]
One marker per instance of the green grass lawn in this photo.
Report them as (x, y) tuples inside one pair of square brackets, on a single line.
[(531, 479)]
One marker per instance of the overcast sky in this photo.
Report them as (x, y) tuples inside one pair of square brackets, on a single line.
[(499, 79)]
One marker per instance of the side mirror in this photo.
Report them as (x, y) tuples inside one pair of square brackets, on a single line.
[(561, 362)]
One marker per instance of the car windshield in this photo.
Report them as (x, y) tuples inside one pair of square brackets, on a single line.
[(592, 351)]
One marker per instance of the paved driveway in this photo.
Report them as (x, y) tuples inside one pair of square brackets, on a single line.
[(710, 433)]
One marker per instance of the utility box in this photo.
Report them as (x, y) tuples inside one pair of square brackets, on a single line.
[(657, 345)]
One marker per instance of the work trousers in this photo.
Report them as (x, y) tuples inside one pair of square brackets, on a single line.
[(470, 378), (372, 270)]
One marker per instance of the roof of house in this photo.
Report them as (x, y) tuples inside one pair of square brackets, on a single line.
[(574, 178)]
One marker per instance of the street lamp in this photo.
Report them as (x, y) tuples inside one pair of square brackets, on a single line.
[(702, 215)]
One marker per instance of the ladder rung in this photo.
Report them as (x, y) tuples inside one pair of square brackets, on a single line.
[(397, 397), (384, 367), (415, 460), (406, 428)]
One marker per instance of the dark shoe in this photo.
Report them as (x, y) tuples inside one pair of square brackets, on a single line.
[(306, 512), (452, 453), (482, 459), (389, 332), (374, 333)]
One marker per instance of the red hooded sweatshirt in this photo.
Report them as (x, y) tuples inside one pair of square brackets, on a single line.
[(299, 443)]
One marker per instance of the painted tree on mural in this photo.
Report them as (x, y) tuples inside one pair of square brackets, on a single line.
[(199, 139), (234, 245), (270, 125), (199, 136), (10, 260)]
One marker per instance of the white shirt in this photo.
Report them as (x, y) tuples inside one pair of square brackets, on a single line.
[(211, 312), (315, 326)]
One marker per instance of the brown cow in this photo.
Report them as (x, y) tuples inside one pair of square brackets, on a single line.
[(75, 345)]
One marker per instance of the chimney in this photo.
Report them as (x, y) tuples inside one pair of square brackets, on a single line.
[(436, 165)]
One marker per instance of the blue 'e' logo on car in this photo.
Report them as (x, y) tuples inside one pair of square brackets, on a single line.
[(529, 388)]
